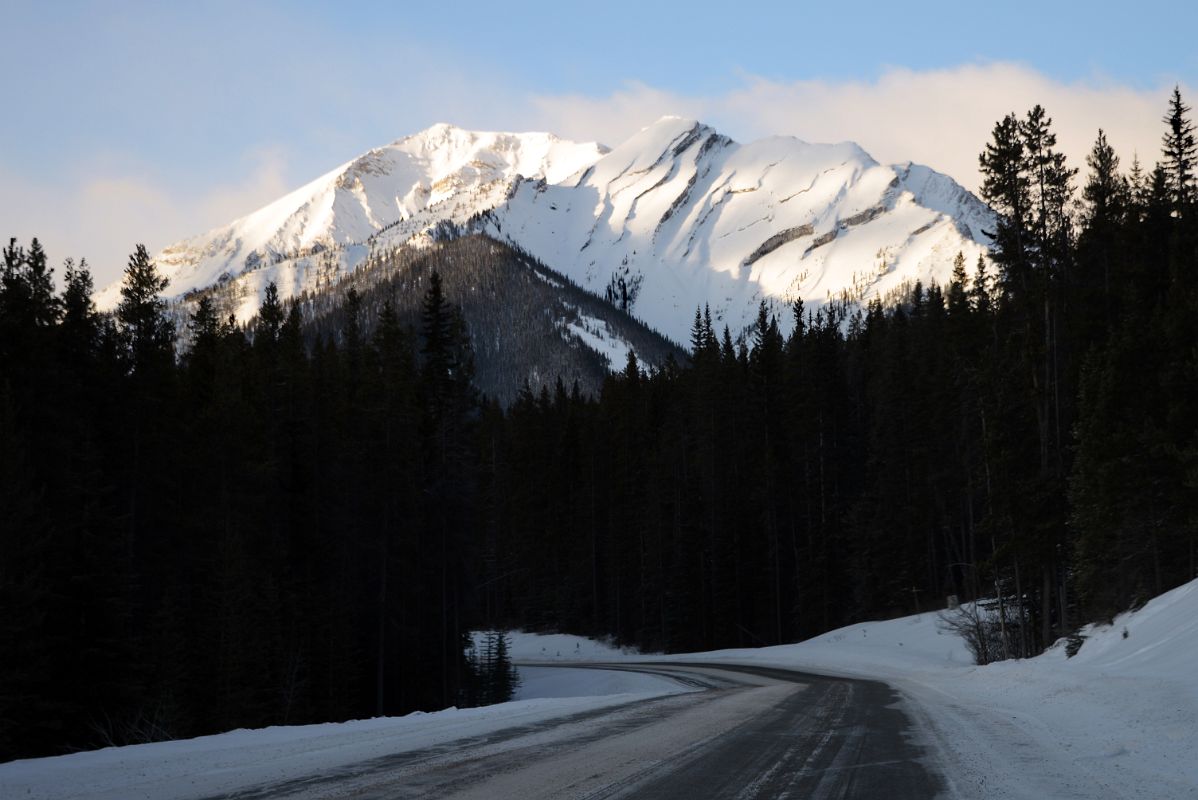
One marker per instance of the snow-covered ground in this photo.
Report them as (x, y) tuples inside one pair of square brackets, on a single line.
[(532, 647), (536, 683), (217, 764), (1118, 720), (210, 766)]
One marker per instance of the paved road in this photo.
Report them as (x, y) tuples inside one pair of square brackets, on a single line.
[(748, 732)]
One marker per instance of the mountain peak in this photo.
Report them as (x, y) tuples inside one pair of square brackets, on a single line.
[(674, 120), (680, 216), (443, 173), (446, 131)]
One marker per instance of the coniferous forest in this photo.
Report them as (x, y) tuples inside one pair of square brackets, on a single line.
[(259, 525)]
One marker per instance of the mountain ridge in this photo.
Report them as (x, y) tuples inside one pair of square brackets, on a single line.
[(415, 178), (675, 217), (690, 217)]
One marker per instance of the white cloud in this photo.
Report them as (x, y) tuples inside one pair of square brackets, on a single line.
[(103, 215), (614, 118)]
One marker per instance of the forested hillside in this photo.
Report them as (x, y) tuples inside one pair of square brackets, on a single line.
[(527, 324), (1028, 432), (300, 521)]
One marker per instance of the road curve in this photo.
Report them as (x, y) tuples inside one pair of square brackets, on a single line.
[(749, 732), (835, 738)]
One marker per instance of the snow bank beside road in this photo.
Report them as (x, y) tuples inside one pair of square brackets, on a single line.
[(228, 762), (1119, 719), (216, 765), (883, 650)]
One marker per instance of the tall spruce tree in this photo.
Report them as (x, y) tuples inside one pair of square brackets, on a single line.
[(148, 332), (1180, 149), (1006, 186)]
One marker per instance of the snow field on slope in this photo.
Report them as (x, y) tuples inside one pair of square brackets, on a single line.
[(695, 217), (596, 335)]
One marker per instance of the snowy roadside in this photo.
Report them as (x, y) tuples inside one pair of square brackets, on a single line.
[(1119, 719), (215, 765)]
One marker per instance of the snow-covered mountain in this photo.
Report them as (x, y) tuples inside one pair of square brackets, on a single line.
[(676, 217), (679, 216), (405, 188)]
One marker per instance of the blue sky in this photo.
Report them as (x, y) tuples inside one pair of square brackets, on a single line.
[(131, 121)]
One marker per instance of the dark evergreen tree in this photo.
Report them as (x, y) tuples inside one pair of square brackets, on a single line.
[(1106, 198), (142, 313), (270, 314), (1180, 151), (1006, 186)]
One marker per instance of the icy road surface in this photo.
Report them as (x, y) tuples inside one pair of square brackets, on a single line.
[(749, 732), (1118, 720)]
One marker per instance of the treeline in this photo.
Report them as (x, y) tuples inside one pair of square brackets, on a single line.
[(1025, 433), (242, 534)]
